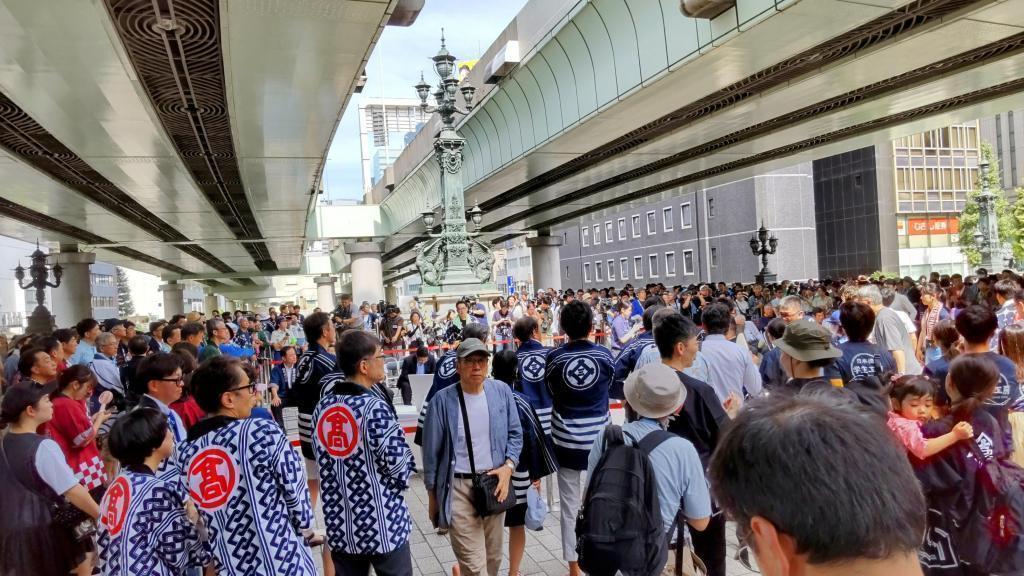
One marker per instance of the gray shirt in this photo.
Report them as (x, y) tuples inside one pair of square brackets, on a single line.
[(903, 304), (890, 333), (730, 368)]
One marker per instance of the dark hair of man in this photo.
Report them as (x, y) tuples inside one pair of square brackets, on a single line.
[(64, 335), (647, 319), (776, 328), (576, 319), (314, 325), (716, 318), (850, 475), (138, 345), (478, 331), (85, 325), (524, 328), (212, 325), (186, 359), (353, 347), (672, 330), (78, 373), (422, 352), (213, 378), (1006, 288), (284, 350), (136, 435), (183, 345), (503, 367), (177, 318), (975, 377), (154, 326), (154, 367), (191, 329), (48, 344), (168, 331), (976, 324), (653, 301), (857, 320), (28, 359)]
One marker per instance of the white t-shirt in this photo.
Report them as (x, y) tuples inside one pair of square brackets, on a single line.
[(53, 468), (480, 428), (906, 320)]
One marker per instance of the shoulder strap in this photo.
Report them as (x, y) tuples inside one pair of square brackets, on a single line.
[(613, 436), (465, 423), (653, 440)]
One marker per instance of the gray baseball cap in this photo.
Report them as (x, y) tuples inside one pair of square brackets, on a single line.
[(471, 346)]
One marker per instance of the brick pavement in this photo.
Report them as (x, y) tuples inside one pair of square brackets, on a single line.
[(432, 554)]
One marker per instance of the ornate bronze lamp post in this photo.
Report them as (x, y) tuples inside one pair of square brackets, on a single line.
[(451, 261), (986, 234), (761, 245), (41, 321)]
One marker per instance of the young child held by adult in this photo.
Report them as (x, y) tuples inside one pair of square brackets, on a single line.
[(912, 399)]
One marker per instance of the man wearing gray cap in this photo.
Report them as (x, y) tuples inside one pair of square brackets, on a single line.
[(471, 428)]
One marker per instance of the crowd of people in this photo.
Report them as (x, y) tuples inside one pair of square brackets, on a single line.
[(845, 426)]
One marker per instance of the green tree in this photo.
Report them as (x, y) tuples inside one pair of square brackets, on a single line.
[(125, 307), (1011, 225)]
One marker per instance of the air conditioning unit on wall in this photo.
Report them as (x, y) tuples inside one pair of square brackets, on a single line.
[(705, 9)]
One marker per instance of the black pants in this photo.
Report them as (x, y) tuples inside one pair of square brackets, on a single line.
[(406, 388), (396, 563), (709, 545)]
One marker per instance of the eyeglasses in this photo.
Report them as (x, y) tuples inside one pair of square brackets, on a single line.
[(178, 380), (251, 386)]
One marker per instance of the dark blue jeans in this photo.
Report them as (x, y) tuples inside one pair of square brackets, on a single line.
[(396, 563)]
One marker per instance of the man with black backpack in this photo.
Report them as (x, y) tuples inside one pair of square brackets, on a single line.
[(642, 461)]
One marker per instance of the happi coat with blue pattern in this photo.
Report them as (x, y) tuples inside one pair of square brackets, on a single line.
[(365, 466), (531, 372), (444, 376), (143, 528), (579, 375), (249, 486)]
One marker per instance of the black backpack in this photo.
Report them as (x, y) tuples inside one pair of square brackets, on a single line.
[(991, 538), (619, 526)]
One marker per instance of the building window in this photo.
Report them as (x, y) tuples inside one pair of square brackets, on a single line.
[(714, 257), (586, 272), (687, 262), (622, 228), (667, 220), (101, 279), (652, 264), (608, 232), (597, 234), (635, 221), (611, 270), (652, 223), (670, 264), (623, 269), (103, 302), (711, 207), (598, 272), (638, 267), (585, 235), (685, 215)]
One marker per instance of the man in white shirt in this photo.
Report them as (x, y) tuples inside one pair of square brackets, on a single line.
[(730, 367)]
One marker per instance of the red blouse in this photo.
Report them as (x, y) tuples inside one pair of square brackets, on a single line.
[(72, 429)]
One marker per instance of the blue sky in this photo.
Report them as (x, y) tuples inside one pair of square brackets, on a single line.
[(470, 27)]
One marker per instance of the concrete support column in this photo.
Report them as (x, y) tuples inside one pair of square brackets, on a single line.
[(174, 299), (209, 303), (546, 262), (391, 294), (367, 271), (72, 300), (325, 293)]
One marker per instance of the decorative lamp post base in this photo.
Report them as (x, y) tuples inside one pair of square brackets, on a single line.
[(41, 321), (764, 278)]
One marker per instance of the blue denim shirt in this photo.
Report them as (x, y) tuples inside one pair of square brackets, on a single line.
[(441, 427)]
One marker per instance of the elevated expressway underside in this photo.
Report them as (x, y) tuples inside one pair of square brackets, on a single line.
[(626, 101)]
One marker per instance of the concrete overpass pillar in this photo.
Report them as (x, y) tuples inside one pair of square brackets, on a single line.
[(209, 303), (367, 272), (72, 301), (546, 263), (325, 293), (174, 298), (391, 294)]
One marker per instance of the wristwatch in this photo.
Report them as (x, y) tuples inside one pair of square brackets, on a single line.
[(510, 465)]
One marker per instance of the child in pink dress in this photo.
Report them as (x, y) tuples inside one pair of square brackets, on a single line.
[(912, 398)]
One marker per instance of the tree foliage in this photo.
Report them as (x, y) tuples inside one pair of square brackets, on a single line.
[(1011, 218), (125, 307)]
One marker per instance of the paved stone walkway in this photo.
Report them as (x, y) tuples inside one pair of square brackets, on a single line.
[(432, 554)]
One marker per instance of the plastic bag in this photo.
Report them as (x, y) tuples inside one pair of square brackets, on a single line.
[(536, 509)]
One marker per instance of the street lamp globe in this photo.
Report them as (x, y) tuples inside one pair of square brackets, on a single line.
[(422, 90), (428, 220), (468, 91), (476, 214)]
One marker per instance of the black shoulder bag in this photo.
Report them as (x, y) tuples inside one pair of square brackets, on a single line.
[(484, 484)]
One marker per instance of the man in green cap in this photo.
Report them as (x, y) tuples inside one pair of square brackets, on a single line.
[(806, 351)]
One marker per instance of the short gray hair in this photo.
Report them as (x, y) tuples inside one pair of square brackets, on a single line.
[(871, 294), (792, 302), (105, 338)]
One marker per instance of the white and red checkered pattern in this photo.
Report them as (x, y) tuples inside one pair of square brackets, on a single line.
[(90, 473)]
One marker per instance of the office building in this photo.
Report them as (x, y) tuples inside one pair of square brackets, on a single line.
[(386, 126)]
